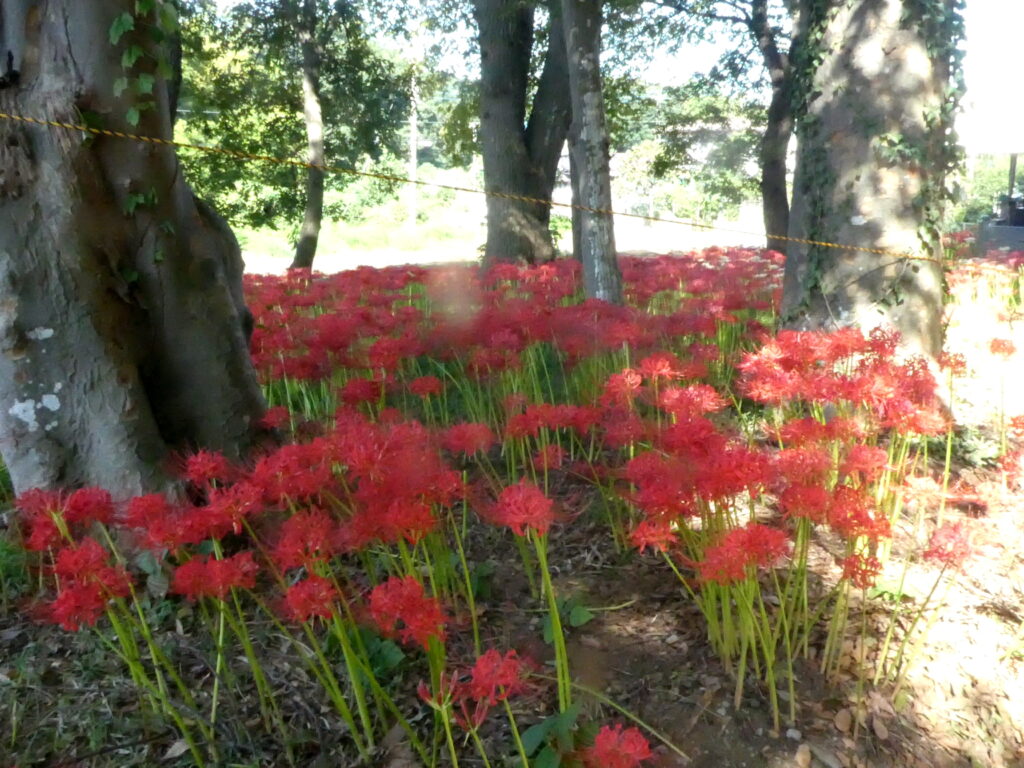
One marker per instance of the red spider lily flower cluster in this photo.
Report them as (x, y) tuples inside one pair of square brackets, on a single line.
[(474, 692), (313, 596), (43, 513), (740, 551), (87, 582), (617, 748), (403, 600), (209, 577), (949, 546), (523, 506)]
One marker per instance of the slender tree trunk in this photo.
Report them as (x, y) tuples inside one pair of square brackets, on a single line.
[(601, 276), (775, 141), (412, 192), (550, 118), (517, 158), (121, 321), (305, 248), (876, 82)]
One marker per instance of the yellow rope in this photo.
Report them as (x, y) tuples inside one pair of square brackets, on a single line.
[(250, 156)]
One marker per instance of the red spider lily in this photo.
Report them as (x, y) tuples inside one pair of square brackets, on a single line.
[(953, 362), (656, 533), (622, 388), (207, 577), (493, 679), (861, 570), (38, 508), (866, 461), (548, 458), (403, 600), (361, 390), (89, 505), (522, 506), (687, 402), (740, 550), (77, 605), (950, 546), (660, 365), (617, 748), (1002, 347), (425, 386), (468, 438), (204, 468), (852, 514), (226, 508), (306, 538), (313, 596), (275, 417), (807, 501), (87, 583)]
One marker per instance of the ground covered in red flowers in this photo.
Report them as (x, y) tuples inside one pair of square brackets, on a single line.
[(504, 526)]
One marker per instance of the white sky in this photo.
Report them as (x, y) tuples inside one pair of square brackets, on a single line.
[(993, 120)]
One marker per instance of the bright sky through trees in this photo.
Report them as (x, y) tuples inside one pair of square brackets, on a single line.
[(993, 120)]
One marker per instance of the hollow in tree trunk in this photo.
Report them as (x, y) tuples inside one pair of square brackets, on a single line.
[(122, 323)]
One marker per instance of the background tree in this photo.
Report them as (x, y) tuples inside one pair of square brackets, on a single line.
[(761, 26), (278, 77), (602, 279), (123, 322), (520, 156), (878, 89)]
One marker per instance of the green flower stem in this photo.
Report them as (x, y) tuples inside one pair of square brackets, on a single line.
[(467, 579), (516, 735), (330, 683), (354, 676), (540, 544), (479, 747)]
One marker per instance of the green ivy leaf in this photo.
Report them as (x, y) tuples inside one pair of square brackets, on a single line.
[(132, 54), (133, 201), (145, 82), (168, 17), (123, 23), (119, 86), (142, 7), (132, 116)]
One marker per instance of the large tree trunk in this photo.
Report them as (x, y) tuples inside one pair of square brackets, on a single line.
[(305, 248), (519, 159), (876, 80), (601, 276), (121, 312), (779, 128)]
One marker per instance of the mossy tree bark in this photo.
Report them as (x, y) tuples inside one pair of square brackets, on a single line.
[(122, 322), (869, 171)]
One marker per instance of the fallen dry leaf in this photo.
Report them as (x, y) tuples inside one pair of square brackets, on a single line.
[(803, 756), (843, 720)]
